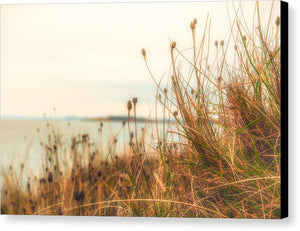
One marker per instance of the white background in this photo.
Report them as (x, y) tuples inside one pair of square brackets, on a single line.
[(45, 223)]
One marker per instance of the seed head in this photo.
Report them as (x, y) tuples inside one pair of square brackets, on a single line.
[(50, 177), (59, 211), (277, 21), (129, 105), (99, 173), (85, 138), (166, 90), (147, 177), (235, 47), (192, 25), (222, 43), (175, 113), (195, 21), (173, 45), (244, 38), (216, 43), (28, 186), (81, 194), (135, 100), (144, 52), (78, 196)]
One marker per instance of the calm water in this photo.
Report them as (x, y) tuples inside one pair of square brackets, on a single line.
[(21, 138)]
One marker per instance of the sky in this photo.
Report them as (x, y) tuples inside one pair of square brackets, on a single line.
[(85, 59)]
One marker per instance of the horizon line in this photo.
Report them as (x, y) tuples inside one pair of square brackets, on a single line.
[(91, 118)]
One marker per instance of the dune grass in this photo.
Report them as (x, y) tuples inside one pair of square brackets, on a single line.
[(220, 157)]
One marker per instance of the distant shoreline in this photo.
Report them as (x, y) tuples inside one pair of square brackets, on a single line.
[(72, 118)]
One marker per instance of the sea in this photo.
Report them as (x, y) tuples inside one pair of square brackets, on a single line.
[(21, 139)]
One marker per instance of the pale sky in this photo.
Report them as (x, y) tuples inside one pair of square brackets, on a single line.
[(86, 60)]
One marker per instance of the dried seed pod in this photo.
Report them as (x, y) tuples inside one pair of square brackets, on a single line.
[(59, 211), (147, 177), (135, 100), (50, 177), (85, 138), (129, 105), (143, 52), (192, 25), (277, 21), (76, 196), (81, 195), (173, 45)]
